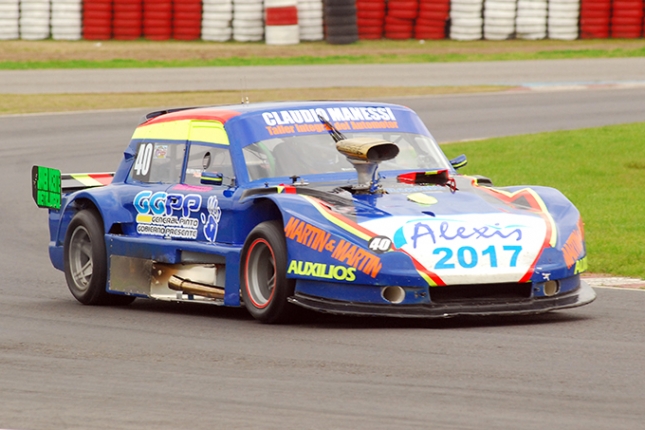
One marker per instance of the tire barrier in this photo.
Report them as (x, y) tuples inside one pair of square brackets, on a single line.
[(432, 20), (248, 20), (281, 22), (341, 25), (531, 19), (562, 21), (187, 19), (499, 19), (370, 19), (34, 19), (9, 19), (400, 17), (97, 19), (310, 20), (217, 16), (157, 19), (594, 19), (66, 19), (466, 22), (627, 19), (128, 19)]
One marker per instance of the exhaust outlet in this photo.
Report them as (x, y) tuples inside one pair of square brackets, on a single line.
[(394, 295), (551, 288), (189, 287)]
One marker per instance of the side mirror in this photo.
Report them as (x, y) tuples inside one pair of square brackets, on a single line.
[(210, 178), (459, 162)]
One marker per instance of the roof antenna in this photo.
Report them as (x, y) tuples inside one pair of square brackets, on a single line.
[(244, 99)]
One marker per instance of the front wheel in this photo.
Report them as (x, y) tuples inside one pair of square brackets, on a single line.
[(263, 274), (86, 261)]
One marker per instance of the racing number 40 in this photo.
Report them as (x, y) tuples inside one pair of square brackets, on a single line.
[(144, 157), (467, 256)]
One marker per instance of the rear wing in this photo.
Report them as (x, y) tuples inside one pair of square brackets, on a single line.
[(48, 185)]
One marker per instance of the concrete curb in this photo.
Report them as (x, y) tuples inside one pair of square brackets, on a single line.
[(616, 282)]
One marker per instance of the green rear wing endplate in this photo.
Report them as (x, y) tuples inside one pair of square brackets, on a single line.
[(48, 185), (45, 186)]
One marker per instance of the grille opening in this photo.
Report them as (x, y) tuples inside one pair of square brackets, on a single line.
[(481, 292)]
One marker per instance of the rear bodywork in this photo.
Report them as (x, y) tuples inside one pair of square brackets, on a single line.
[(409, 250)]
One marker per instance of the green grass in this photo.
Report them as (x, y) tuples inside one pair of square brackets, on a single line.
[(601, 170), (325, 59)]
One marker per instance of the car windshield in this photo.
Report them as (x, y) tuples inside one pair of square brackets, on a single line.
[(317, 154)]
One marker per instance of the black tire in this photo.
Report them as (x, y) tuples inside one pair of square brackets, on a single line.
[(263, 275), (331, 13), (342, 30), (341, 40), (339, 3), (86, 261), (334, 21)]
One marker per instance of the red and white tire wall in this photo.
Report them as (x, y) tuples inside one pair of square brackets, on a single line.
[(281, 22), (400, 18), (9, 19), (35, 19), (530, 23), (217, 17), (499, 19), (337, 21), (97, 19), (157, 19), (248, 20), (310, 20), (563, 18), (186, 19), (432, 19), (627, 19), (466, 19), (127, 21), (370, 19), (595, 16), (66, 19)]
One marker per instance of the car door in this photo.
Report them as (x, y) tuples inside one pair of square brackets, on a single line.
[(208, 151), (156, 212)]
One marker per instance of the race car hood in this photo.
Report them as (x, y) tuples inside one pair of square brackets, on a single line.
[(473, 235), (465, 237)]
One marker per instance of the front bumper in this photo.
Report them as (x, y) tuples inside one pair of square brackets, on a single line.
[(483, 307)]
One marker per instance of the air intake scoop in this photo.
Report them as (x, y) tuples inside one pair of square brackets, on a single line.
[(365, 154)]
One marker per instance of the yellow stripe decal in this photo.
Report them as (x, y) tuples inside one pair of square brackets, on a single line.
[(336, 221), (141, 218), (183, 130), (86, 180), (208, 131), (427, 278)]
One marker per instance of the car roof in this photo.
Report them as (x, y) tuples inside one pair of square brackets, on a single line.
[(225, 112)]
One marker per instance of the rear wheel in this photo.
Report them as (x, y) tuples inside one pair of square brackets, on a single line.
[(86, 262), (263, 274)]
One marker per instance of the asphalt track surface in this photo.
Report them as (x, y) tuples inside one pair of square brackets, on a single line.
[(168, 366), (514, 73)]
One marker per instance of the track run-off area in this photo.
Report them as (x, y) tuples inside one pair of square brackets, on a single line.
[(168, 366)]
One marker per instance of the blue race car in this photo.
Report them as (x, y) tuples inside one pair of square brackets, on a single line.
[(340, 207)]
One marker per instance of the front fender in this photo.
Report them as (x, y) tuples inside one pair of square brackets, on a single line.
[(324, 245), (567, 257)]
